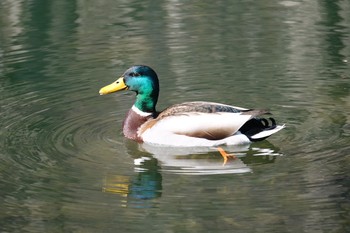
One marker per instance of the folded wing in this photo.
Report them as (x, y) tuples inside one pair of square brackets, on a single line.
[(207, 120)]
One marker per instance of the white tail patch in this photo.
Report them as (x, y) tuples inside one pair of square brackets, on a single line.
[(267, 133)]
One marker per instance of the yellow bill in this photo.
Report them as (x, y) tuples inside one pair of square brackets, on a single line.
[(113, 87)]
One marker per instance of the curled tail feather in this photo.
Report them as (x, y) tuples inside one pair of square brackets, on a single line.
[(258, 129)]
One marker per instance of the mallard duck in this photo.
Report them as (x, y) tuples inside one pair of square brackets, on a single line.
[(188, 124)]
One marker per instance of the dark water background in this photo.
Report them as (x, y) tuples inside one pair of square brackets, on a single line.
[(65, 167)]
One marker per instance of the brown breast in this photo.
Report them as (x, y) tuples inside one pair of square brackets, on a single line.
[(132, 123)]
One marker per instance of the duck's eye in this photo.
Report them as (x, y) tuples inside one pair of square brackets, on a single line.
[(134, 74)]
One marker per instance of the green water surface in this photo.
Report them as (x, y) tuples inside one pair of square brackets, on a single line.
[(66, 167)]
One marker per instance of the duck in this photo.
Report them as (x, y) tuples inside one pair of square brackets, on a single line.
[(188, 124)]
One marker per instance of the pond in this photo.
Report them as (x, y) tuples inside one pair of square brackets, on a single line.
[(66, 167)]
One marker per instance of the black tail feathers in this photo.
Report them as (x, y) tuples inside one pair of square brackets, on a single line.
[(257, 125)]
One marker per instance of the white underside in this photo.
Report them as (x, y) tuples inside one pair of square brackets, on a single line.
[(198, 122), (172, 139), (166, 138)]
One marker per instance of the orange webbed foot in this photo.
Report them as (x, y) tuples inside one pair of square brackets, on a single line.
[(225, 155)]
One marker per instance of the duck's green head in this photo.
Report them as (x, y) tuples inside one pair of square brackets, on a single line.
[(141, 79)]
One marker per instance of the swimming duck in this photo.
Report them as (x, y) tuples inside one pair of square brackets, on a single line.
[(188, 124)]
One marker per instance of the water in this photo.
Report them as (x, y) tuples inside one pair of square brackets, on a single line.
[(65, 167)]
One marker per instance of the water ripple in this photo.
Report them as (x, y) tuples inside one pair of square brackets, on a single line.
[(38, 130)]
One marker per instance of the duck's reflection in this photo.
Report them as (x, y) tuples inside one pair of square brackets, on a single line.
[(137, 190), (150, 162), (207, 161), (196, 160)]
